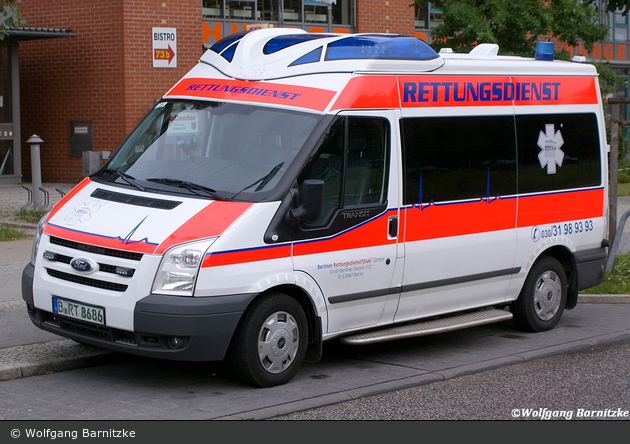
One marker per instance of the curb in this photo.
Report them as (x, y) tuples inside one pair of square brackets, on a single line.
[(49, 357)]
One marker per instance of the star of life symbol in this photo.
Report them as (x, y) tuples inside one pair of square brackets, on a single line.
[(82, 212), (550, 155)]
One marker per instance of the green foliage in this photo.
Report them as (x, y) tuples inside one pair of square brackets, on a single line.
[(10, 16), (612, 5), (515, 26), (31, 216), (8, 233), (617, 282)]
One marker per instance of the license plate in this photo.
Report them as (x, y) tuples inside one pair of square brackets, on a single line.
[(75, 310)]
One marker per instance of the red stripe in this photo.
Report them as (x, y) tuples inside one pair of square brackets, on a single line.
[(561, 207), (450, 91), (251, 91), (370, 234), (209, 222), (245, 256), (437, 221), (446, 220), (116, 243), (369, 92), (69, 196)]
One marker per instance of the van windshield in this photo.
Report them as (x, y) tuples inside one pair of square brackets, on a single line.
[(212, 149)]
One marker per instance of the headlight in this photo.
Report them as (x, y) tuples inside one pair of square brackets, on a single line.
[(38, 236), (179, 268)]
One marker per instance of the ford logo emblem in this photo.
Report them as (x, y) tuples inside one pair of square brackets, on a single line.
[(82, 265)]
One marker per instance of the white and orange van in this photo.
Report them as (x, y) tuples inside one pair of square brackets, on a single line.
[(295, 188)]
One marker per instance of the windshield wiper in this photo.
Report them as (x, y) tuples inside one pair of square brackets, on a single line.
[(126, 178), (190, 186), (263, 181)]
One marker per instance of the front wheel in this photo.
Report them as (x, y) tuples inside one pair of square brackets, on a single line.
[(270, 345), (543, 296)]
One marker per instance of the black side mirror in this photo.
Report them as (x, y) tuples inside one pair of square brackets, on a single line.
[(311, 201)]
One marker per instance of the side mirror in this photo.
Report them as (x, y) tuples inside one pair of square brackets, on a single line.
[(311, 201)]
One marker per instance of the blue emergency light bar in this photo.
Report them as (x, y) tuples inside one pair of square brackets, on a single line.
[(365, 46), (544, 51)]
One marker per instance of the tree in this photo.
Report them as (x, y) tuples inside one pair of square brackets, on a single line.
[(516, 26), (611, 6), (10, 16)]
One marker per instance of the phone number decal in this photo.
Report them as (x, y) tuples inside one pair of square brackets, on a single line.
[(563, 229)]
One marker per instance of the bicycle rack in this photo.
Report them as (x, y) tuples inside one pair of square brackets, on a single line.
[(46, 199), (28, 204), (616, 241), (60, 192)]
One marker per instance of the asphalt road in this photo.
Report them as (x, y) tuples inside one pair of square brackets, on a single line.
[(502, 368), (593, 384)]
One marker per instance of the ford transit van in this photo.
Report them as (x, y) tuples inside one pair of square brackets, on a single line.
[(295, 188)]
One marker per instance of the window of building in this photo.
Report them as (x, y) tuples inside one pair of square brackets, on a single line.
[(315, 12), (240, 9), (267, 10), (6, 112), (299, 11), (292, 11), (621, 27), (212, 8)]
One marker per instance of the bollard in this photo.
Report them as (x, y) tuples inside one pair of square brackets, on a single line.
[(36, 169)]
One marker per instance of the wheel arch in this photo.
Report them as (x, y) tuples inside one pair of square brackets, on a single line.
[(313, 319), (567, 259)]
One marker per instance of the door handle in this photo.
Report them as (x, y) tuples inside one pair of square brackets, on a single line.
[(392, 227)]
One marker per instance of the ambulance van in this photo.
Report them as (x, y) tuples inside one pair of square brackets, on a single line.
[(295, 188)]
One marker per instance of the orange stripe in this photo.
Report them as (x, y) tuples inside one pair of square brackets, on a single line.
[(560, 207), (451, 90), (69, 196), (116, 243), (209, 222), (445, 220), (370, 234), (459, 219), (369, 92), (251, 91), (245, 256)]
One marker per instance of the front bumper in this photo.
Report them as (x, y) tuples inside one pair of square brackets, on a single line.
[(169, 327)]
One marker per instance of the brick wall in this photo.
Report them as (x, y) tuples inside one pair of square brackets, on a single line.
[(393, 16), (104, 75)]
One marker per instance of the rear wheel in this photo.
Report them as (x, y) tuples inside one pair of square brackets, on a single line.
[(270, 345), (541, 303)]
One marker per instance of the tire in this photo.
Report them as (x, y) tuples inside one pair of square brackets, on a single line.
[(543, 297), (270, 345)]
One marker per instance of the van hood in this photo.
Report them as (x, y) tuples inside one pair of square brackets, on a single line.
[(110, 217)]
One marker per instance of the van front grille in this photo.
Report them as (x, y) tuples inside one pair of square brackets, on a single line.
[(130, 255), (83, 280)]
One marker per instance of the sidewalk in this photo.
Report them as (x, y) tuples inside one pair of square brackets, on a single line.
[(28, 351)]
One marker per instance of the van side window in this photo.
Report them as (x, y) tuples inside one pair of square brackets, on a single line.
[(577, 138), (353, 161), (457, 158)]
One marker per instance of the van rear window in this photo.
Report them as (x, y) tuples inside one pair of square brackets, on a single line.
[(460, 158), (457, 158)]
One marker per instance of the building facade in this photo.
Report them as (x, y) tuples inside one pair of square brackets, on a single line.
[(86, 93)]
